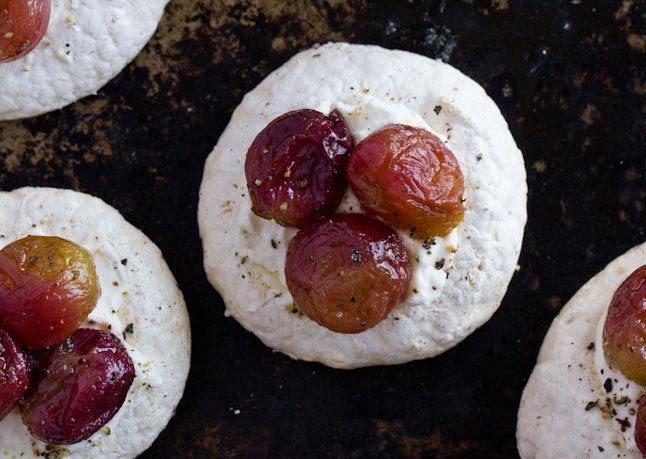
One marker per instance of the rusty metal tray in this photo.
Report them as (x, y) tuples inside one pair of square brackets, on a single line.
[(569, 77)]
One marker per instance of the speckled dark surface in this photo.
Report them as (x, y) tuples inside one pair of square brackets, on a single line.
[(569, 77)]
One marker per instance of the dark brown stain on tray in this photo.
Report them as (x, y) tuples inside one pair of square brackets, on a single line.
[(568, 77), (391, 439)]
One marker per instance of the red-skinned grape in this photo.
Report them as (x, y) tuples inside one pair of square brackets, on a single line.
[(624, 333), (79, 386), (295, 167), (14, 373), (408, 177), (640, 425), (22, 25), (348, 272), (48, 286)]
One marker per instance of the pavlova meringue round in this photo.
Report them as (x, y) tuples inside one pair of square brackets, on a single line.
[(458, 281), (87, 43), (574, 404), (140, 304)]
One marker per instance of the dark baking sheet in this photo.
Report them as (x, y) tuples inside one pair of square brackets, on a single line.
[(569, 77)]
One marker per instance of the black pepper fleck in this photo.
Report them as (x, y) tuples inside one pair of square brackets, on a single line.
[(130, 328), (608, 385), (624, 423), (428, 243), (591, 405)]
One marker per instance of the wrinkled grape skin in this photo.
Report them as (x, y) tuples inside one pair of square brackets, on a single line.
[(640, 425), (295, 167), (79, 386), (48, 286), (14, 373), (22, 25), (348, 272), (624, 333), (408, 177)]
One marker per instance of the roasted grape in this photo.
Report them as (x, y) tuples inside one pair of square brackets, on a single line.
[(78, 387), (14, 373), (640, 425), (295, 167), (22, 25), (348, 272), (624, 333), (408, 177), (48, 286)]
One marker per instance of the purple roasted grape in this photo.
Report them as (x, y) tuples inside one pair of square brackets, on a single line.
[(295, 167), (78, 387), (14, 373), (640, 425)]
